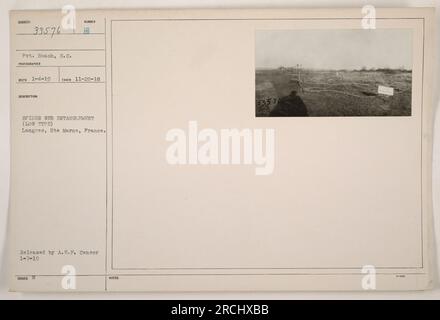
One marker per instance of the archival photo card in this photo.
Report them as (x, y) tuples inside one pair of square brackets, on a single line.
[(315, 73), (138, 162)]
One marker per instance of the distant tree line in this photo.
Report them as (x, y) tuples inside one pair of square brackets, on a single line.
[(384, 70)]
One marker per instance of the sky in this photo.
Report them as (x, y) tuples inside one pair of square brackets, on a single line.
[(334, 49)]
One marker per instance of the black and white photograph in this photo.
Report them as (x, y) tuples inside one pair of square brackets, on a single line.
[(329, 73), (226, 157)]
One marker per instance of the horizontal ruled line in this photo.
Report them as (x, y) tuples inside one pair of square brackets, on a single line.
[(70, 82), (77, 66), (59, 34), (20, 50), (220, 274)]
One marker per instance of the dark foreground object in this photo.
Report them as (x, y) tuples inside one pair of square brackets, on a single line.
[(290, 106)]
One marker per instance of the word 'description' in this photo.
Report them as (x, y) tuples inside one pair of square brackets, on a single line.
[(385, 90), (222, 147)]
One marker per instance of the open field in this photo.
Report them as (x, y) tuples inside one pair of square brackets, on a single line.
[(337, 92)]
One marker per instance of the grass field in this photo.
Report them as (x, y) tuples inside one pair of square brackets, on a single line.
[(337, 93)]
